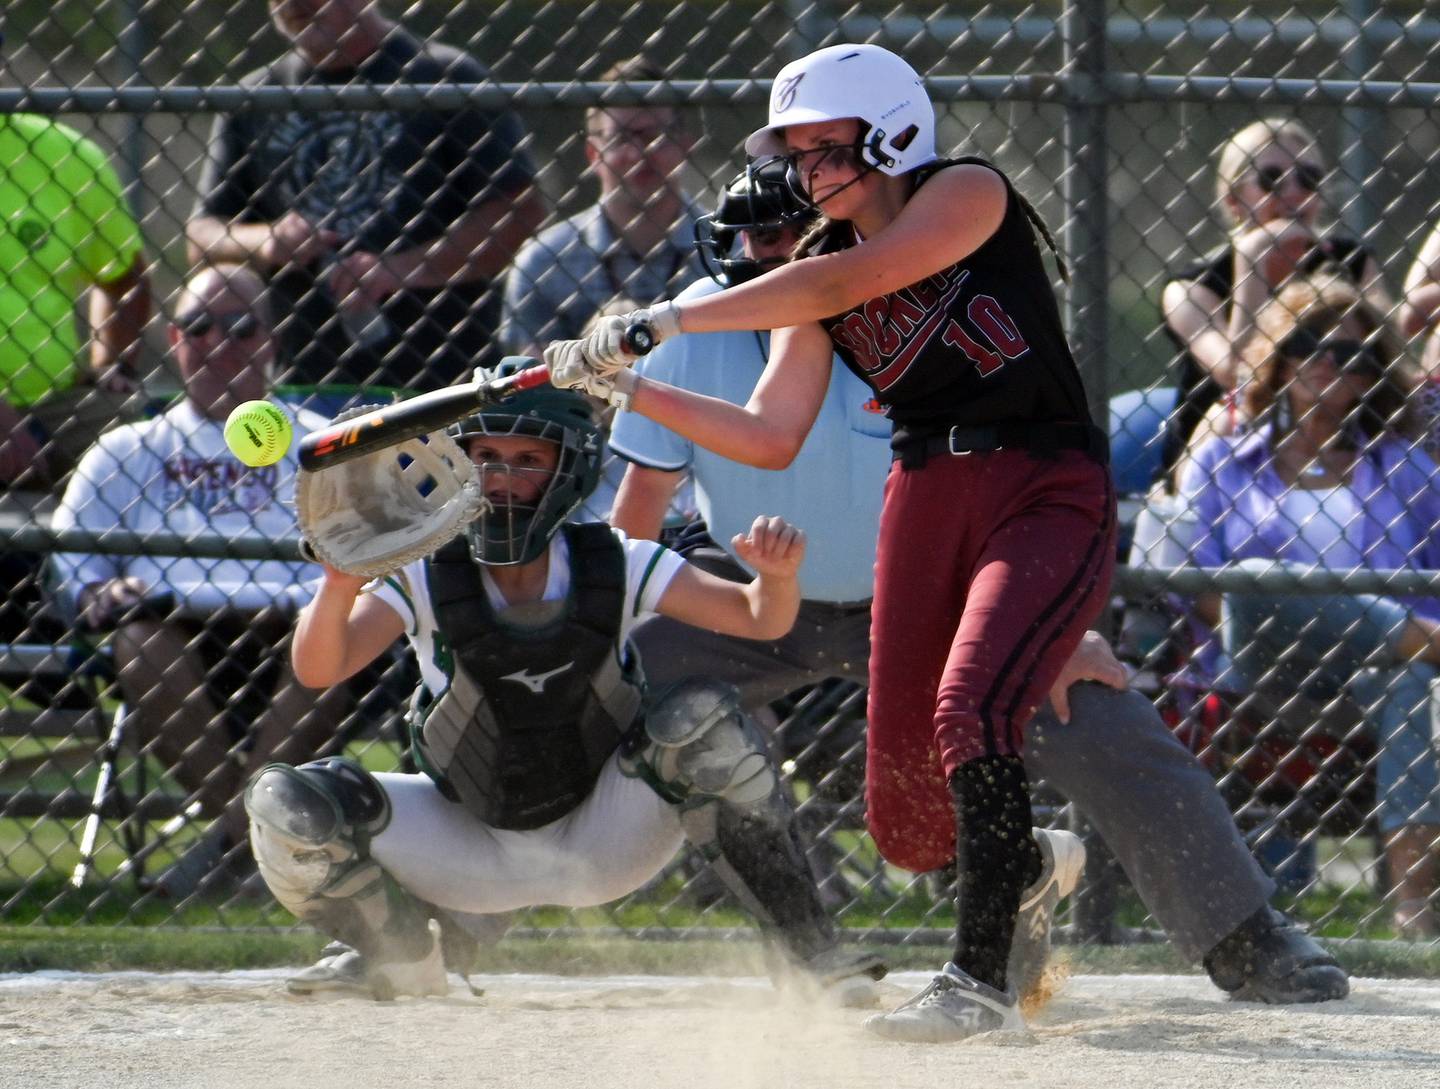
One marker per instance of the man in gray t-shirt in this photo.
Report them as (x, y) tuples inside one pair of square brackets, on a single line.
[(379, 232)]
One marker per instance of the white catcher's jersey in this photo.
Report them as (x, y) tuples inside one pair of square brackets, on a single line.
[(618, 838), (649, 567)]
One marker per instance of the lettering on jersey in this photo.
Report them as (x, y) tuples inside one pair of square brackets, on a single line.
[(885, 335), (218, 485), (905, 314), (999, 328), (855, 334), (884, 375), (986, 361), (990, 319)]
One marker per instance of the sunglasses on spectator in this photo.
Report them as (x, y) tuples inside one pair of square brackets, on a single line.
[(241, 325), (1307, 176), (1346, 354)]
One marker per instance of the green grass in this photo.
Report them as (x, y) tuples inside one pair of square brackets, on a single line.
[(111, 924)]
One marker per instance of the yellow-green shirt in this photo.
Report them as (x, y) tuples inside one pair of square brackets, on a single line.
[(64, 226)]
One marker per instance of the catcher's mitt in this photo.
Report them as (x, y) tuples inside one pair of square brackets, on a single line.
[(381, 511)]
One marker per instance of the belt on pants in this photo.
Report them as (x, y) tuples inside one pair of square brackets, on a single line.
[(1045, 440)]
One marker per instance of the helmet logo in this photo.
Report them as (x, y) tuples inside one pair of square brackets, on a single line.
[(784, 96)]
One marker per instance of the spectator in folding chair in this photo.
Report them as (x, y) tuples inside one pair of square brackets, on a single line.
[(1270, 187), (202, 645), (68, 233), (380, 231), (1328, 475), (636, 241)]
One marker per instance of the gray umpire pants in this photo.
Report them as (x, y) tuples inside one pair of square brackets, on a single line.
[(1151, 801)]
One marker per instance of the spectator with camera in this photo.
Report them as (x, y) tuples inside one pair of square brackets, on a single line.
[(201, 645), (1270, 186), (1327, 475)]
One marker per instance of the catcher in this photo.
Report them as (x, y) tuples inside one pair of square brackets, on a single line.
[(551, 776)]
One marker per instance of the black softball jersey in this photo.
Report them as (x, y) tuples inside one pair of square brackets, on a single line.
[(977, 344)]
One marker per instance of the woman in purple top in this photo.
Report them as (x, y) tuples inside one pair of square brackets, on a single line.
[(1328, 476)]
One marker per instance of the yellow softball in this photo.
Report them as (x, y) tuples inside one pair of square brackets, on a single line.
[(258, 433)]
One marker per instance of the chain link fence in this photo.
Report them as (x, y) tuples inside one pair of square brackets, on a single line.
[(1279, 606)]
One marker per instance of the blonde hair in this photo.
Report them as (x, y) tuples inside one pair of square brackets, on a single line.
[(1236, 155)]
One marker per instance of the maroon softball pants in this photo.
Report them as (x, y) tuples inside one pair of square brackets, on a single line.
[(989, 569)]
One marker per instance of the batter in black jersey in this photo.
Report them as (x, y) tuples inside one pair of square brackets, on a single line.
[(979, 342), (997, 535)]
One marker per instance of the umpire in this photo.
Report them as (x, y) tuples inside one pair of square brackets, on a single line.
[(1153, 803)]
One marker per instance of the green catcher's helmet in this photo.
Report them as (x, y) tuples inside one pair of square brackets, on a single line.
[(511, 533)]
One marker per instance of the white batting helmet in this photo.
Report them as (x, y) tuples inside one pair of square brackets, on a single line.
[(861, 81)]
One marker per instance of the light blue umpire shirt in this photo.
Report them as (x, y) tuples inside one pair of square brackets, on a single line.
[(834, 488)]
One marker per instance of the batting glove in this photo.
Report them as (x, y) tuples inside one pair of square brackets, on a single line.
[(572, 366), (608, 339)]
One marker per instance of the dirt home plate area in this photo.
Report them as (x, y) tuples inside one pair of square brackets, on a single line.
[(240, 1029)]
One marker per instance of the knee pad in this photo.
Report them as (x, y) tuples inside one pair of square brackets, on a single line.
[(310, 826), (699, 746), (310, 830)]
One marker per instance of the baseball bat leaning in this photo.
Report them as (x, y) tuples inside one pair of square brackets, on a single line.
[(428, 412)]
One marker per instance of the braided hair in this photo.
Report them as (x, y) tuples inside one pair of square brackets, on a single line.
[(824, 227)]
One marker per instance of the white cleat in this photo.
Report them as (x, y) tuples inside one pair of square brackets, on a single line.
[(344, 970), (1063, 858), (951, 1008), (340, 970)]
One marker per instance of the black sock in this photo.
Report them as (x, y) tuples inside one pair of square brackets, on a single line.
[(997, 859)]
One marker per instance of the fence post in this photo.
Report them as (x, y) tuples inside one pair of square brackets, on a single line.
[(1086, 195), (1087, 316), (134, 45), (1360, 127)]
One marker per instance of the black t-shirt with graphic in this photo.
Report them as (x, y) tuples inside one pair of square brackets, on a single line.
[(977, 344), (387, 181)]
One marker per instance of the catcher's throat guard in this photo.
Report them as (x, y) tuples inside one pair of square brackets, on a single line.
[(375, 513)]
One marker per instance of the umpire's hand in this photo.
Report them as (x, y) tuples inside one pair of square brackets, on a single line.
[(1093, 660)]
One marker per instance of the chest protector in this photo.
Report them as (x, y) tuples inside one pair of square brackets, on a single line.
[(532, 712)]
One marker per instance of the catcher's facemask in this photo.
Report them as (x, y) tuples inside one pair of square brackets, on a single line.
[(507, 531), (758, 199)]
